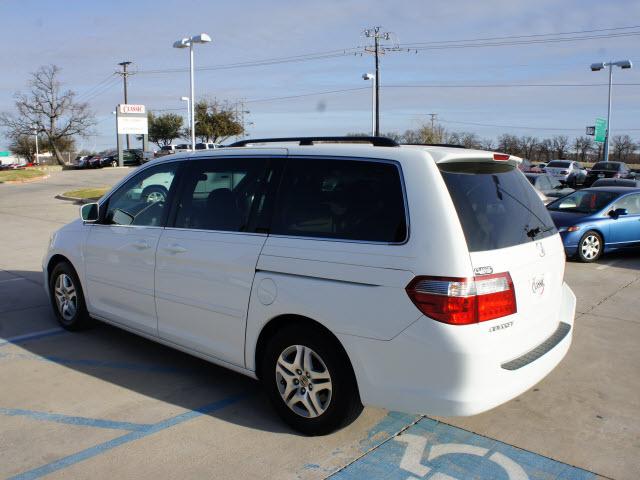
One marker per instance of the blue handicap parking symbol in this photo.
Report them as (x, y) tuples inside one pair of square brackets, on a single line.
[(432, 450)]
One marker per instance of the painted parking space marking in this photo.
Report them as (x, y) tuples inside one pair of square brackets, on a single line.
[(433, 450), (88, 362), (127, 438), (73, 420), (32, 336)]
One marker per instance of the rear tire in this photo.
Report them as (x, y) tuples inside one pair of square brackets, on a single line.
[(590, 247), (67, 298), (309, 380)]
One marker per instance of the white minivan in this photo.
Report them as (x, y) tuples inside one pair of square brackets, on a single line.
[(341, 272)]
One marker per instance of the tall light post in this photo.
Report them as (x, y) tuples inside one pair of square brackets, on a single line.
[(35, 132), (374, 101), (188, 43), (186, 99), (596, 67)]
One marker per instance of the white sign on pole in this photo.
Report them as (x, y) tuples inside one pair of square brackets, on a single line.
[(130, 108), (132, 125)]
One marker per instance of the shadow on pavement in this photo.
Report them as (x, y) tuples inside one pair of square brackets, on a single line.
[(139, 365), (627, 258)]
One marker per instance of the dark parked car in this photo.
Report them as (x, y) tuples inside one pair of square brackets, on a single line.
[(617, 182), (549, 185), (608, 170), (597, 220), (130, 157)]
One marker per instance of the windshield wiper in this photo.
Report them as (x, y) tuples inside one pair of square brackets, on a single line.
[(532, 233)]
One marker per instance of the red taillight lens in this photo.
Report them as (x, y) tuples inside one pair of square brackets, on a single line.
[(463, 301), (501, 156)]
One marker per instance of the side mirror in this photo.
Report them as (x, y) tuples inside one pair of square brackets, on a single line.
[(89, 212), (618, 212)]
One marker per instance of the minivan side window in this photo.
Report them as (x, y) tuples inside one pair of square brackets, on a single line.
[(142, 200), (219, 194), (341, 199)]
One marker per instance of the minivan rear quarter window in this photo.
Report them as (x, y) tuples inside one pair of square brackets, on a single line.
[(496, 205), (341, 199)]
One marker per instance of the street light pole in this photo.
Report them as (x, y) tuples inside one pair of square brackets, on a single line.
[(35, 132), (188, 43), (374, 101), (186, 99), (596, 67)]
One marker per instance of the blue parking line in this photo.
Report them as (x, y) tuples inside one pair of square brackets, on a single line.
[(32, 336), (129, 437), (72, 420), (95, 363), (433, 450)]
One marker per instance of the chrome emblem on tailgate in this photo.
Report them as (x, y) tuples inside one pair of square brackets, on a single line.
[(483, 270), (537, 285), (540, 248)]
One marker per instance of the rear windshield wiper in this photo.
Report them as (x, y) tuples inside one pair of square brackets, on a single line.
[(532, 233)]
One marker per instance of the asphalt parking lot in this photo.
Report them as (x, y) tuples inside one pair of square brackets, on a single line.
[(107, 404)]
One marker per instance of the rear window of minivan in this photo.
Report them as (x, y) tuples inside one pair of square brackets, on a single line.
[(558, 164), (341, 199), (496, 205)]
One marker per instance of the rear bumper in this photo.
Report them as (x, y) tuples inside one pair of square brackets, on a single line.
[(420, 371)]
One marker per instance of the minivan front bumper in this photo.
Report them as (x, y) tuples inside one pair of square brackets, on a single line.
[(425, 370)]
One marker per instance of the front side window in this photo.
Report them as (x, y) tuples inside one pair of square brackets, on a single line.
[(142, 200), (630, 202), (220, 194), (341, 199)]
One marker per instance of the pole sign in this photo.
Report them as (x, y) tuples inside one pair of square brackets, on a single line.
[(591, 130), (132, 120), (600, 130), (4, 154)]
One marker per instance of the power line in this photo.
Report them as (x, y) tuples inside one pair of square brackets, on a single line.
[(522, 127), (96, 87)]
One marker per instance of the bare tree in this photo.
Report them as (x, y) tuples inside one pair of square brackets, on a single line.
[(623, 147), (48, 110), (487, 144), (560, 145), (466, 139), (528, 146), (584, 145), (510, 144)]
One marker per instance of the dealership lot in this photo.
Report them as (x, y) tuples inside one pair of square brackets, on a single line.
[(105, 403)]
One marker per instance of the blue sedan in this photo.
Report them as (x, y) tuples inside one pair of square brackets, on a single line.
[(597, 220)]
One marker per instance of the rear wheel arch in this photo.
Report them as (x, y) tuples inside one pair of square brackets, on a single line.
[(281, 322)]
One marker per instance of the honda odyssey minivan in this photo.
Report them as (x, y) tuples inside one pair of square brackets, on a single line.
[(340, 272)]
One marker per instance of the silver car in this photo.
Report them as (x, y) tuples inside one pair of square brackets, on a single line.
[(570, 172)]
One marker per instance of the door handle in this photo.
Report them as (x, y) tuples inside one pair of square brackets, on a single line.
[(141, 245), (175, 248)]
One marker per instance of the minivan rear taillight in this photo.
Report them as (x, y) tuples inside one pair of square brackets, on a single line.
[(463, 301)]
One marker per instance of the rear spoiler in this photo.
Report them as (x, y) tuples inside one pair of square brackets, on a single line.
[(475, 156)]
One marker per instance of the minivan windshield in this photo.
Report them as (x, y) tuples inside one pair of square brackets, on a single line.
[(558, 164), (496, 205), (584, 201), (608, 166)]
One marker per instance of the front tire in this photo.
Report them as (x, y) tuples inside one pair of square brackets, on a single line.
[(590, 247), (67, 298), (309, 380)]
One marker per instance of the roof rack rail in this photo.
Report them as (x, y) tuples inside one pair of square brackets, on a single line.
[(447, 145), (375, 141)]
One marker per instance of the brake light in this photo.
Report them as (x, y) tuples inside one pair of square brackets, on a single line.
[(464, 301), (501, 157)]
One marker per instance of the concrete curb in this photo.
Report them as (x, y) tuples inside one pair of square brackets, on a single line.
[(81, 201)]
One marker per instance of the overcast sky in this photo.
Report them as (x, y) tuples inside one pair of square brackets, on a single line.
[(88, 38)]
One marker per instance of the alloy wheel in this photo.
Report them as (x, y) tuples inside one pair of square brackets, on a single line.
[(66, 298), (590, 247), (303, 380)]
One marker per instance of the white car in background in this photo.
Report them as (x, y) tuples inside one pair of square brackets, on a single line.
[(415, 278), (570, 172)]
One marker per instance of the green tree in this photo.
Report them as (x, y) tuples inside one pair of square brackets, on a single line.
[(164, 129), (216, 121)]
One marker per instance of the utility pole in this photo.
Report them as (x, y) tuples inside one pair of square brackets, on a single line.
[(378, 49), (124, 73), (433, 120)]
